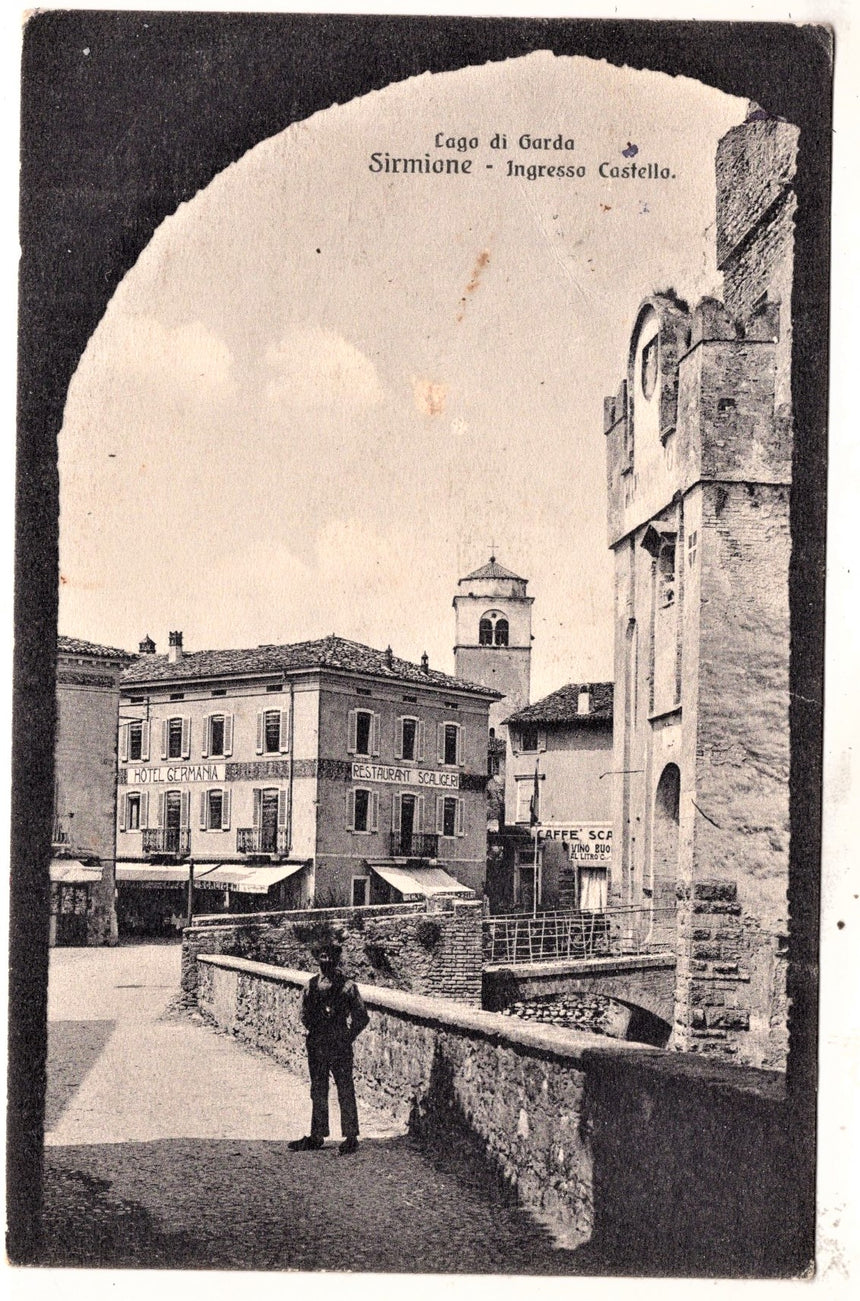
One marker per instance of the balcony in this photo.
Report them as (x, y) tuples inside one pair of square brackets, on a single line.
[(166, 840), (414, 844), (262, 840)]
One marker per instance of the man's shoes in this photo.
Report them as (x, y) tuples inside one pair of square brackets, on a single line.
[(306, 1144), (348, 1146)]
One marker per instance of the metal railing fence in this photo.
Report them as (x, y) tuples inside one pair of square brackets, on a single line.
[(517, 938)]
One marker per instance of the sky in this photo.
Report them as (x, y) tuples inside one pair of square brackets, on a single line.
[(324, 393)]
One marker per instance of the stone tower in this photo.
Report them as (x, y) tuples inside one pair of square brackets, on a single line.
[(699, 443), (494, 636)]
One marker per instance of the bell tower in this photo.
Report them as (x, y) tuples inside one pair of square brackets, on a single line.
[(494, 635)]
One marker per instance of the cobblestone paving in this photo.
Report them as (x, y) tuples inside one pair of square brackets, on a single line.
[(171, 1150)]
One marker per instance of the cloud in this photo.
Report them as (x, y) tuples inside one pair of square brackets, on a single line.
[(314, 367), (187, 358)]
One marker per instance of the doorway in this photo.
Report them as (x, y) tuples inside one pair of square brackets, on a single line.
[(407, 822), (172, 821), (268, 822)]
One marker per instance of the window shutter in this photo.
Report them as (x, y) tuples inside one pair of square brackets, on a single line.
[(421, 738), (461, 817), (283, 806), (164, 726), (186, 737), (161, 808), (351, 738), (225, 809), (440, 742), (144, 740), (185, 809), (123, 815), (398, 738), (259, 731), (460, 759), (419, 813), (123, 742), (374, 730), (395, 812), (144, 809), (350, 810), (440, 815), (258, 806), (203, 798), (228, 734), (374, 810), (207, 724), (286, 729)]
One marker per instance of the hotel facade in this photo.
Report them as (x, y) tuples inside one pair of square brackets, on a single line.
[(324, 772)]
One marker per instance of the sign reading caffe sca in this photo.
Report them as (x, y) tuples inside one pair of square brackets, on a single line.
[(173, 774)]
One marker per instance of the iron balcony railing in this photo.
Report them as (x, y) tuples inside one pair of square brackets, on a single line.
[(414, 844), (550, 936), (262, 840), (166, 840)]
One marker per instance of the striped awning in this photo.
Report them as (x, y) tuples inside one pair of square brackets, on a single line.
[(70, 871)]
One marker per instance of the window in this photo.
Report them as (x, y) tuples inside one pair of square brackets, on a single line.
[(132, 812), (525, 791), (529, 737), (363, 728), (363, 810), (692, 545), (272, 731), (493, 629), (360, 891), (174, 738), (666, 574), (451, 743), (216, 734), (215, 809), (492, 765), (135, 740), (649, 367), (450, 816)]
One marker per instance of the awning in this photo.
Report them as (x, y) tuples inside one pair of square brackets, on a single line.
[(244, 878), (72, 872), (419, 882), (152, 873)]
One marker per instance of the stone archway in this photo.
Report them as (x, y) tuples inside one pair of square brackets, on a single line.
[(664, 853)]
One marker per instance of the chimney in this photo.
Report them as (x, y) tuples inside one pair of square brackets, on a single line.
[(147, 646), (389, 657), (425, 663), (583, 701), (175, 651)]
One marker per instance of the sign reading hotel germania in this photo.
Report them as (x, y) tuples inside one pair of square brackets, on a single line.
[(587, 842), (393, 775), (173, 774)]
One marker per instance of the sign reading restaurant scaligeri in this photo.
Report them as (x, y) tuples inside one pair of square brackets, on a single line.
[(175, 773), (586, 842), (393, 775)]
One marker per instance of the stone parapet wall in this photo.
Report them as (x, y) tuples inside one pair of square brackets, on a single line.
[(655, 1162), (434, 951)]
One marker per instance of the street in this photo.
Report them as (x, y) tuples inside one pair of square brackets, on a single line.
[(166, 1145)]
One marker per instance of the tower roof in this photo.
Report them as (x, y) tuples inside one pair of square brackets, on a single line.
[(493, 570)]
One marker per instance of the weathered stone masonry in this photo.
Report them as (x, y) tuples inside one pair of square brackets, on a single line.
[(660, 1162), (432, 950)]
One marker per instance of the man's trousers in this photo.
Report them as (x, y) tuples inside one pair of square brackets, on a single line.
[(324, 1059)]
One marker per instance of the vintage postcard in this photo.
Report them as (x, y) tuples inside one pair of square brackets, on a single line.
[(421, 508)]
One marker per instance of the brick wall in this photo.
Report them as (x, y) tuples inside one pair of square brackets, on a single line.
[(409, 947), (655, 1162)]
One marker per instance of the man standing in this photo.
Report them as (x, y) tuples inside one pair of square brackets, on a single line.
[(333, 1016)]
